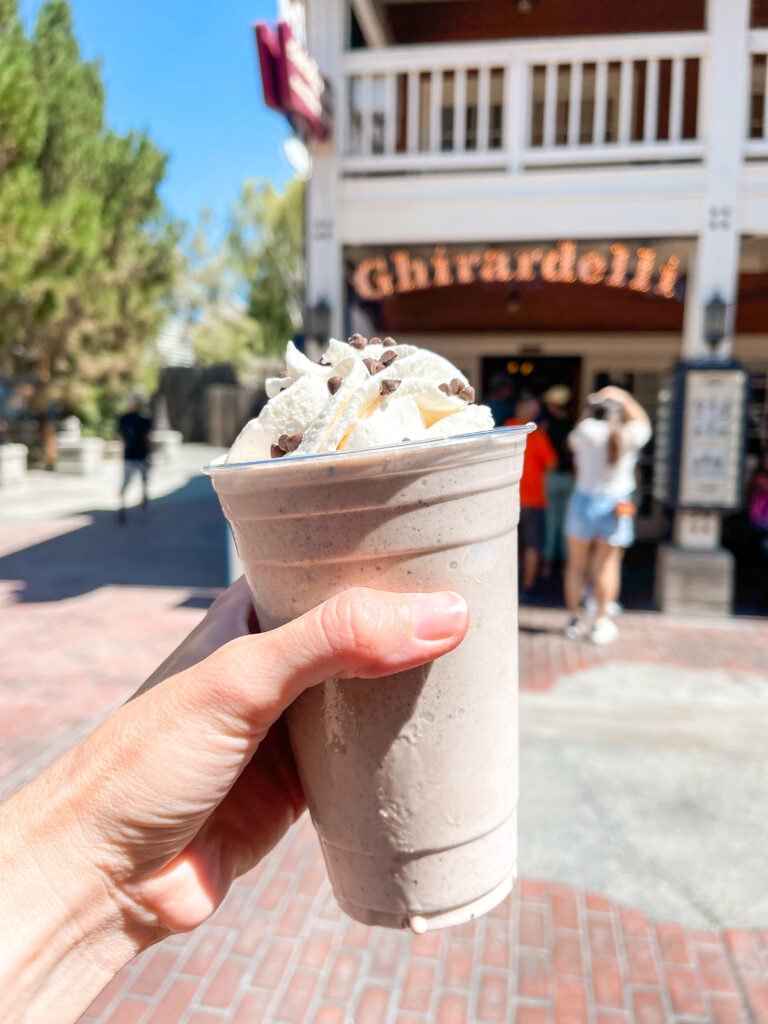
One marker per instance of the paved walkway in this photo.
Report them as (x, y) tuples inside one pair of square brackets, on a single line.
[(643, 775)]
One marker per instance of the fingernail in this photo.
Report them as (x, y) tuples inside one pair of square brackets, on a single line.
[(436, 616)]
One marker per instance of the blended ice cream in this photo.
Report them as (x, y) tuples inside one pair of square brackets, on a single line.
[(362, 394), (411, 780)]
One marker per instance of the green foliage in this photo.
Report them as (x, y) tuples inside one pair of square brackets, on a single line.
[(88, 256), (244, 294)]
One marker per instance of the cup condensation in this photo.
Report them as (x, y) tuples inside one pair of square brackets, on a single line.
[(411, 780)]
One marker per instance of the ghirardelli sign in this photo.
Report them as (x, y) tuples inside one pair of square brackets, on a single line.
[(292, 81), (617, 265)]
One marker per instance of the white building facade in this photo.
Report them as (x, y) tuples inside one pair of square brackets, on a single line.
[(536, 197)]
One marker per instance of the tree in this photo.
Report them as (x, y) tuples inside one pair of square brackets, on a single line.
[(88, 255)]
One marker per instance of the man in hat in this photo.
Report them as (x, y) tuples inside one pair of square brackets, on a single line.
[(559, 482)]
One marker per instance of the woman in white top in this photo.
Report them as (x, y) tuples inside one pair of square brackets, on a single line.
[(606, 442)]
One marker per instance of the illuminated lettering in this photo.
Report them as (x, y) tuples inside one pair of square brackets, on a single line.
[(618, 275), (411, 274), (527, 259), (465, 266), (441, 266), (496, 266), (557, 265), (641, 282), (591, 267), (364, 283), (668, 277)]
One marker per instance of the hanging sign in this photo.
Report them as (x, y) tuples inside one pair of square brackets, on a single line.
[(292, 81), (618, 266)]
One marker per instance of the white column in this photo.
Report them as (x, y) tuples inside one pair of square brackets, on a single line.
[(715, 264), (324, 280)]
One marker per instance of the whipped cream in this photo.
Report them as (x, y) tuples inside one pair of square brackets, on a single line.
[(360, 395)]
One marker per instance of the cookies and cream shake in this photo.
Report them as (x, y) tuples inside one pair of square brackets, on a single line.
[(375, 467)]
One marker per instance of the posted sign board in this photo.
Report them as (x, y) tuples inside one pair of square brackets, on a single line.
[(292, 81), (708, 430)]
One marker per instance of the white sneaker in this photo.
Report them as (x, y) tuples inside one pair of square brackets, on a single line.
[(576, 628), (604, 631)]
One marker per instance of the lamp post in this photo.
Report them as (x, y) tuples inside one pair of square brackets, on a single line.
[(715, 313)]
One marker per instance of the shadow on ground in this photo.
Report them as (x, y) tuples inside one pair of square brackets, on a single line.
[(180, 541)]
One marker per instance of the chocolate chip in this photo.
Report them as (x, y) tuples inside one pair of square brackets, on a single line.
[(276, 451), (467, 393), (289, 443), (357, 341), (323, 362), (374, 341), (388, 385), (444, 388), (334, 383), (373, 366), (387, 358), (284, 373), (388, 342), (456, 385), (405, 440)]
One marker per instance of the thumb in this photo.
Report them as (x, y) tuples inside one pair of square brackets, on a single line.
[(360, 632)]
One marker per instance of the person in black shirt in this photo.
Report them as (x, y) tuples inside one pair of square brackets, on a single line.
[(559, 424), (134, 430)]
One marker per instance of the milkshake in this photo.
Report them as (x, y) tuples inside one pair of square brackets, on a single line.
[(411, 780)]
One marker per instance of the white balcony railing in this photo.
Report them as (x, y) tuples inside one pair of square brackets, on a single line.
[(517, 105), (757, 128)]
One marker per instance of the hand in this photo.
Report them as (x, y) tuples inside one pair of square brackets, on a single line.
[(610, 393), (141, 829)]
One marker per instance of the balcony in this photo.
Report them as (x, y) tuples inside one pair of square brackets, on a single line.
[(523, 105)]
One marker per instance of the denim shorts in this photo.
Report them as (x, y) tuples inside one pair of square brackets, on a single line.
[(593, 517)]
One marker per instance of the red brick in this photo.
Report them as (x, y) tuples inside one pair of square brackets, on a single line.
[(293, 856), (727, 1010), (597, 903), (387, 954), (532, 1015), (253, 1007), (372, 1008), (564, 910), (756, 989), (570, 1003), (743, 949), (672, 944), (357, 935), (270, 971), (174, 1003), (316, 948), (222, 989), (207, 1018), (293, 917), (254, 876), (230, 910), (492, 1000), (410, 1018), (128, 1011), (600, 931), (468, 930), (641, 962), (607, 983), (503, 911), (534, 972), (159, 966), (427, 944), (457, 967), (607, 1017), (312, 879), (251, 936), (205, 951), (532, 928), (633, 923), (496, 944), (648, 1007), (295, 1002), (343, 977), (418, 987), (707, 938), (684, 991), (326, 1015), (107, 994), (715, 969), (273, 892), (531, 890), (330, 909), (452, 1009), (567, 953)]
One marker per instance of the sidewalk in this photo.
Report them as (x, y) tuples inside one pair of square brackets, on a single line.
[(643, 782)]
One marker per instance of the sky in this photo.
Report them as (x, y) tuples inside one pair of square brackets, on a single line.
[(187, 72)]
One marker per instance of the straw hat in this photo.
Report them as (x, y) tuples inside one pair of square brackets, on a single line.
[(558, 394)]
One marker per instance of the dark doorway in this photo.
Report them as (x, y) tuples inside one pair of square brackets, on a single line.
[(507, 378)]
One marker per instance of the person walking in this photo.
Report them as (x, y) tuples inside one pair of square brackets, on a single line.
[(606, 442), (540, 457), (134, 429), (559, 481)]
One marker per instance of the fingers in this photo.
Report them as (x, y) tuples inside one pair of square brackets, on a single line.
[(360, 632)]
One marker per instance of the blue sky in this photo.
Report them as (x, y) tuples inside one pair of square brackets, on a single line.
[(187, 72)]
